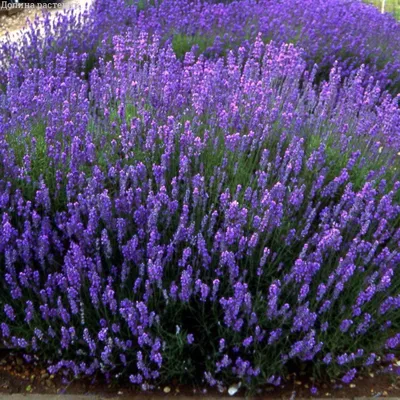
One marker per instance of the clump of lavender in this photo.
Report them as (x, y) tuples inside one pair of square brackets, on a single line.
[(214, 218), (351, 33)]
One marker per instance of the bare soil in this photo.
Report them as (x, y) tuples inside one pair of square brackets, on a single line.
[(16, 376)]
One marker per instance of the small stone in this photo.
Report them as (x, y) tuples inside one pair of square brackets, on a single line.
[(49, 383), (233, 389), (352, 385), (167, 389), (298, 382), (327, 394), (120, 393), (385, 393), (371, 374)]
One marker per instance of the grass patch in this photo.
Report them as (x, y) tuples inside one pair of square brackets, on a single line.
[(182, 43)]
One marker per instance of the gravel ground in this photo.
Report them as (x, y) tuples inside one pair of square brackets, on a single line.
[(90, 397), (33, 381)]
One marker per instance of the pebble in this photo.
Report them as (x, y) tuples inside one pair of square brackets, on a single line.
[(49, 383), (233, 389), (352, 385), (167, 389)]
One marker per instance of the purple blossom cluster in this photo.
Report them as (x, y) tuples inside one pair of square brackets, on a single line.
[(215, 217)]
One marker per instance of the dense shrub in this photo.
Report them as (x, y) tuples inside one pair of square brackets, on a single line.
[(199, 219), (351, 33)]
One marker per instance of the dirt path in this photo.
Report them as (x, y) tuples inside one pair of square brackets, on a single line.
[(16, 22)]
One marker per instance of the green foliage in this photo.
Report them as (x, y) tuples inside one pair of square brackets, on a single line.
[(143, 4), (182, 43), (391, 6)]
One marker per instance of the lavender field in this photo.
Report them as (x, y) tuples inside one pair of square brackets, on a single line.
[(203, 191)]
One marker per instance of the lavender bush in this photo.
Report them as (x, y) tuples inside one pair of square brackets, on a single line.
[(349, 32), (217, 219)]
